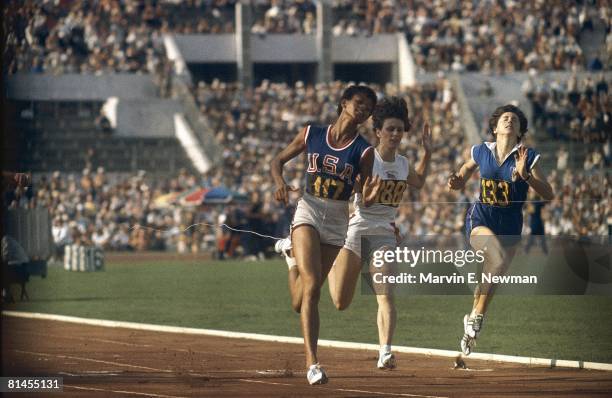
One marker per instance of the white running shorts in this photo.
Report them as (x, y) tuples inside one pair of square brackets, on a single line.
[(385, 234), (329, 217)]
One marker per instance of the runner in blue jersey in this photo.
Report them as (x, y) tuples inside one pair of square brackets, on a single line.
[(507, 170), (336, 155)]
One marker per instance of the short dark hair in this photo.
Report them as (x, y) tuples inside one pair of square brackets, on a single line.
[(353, 90), (508, 108), (391, 107)]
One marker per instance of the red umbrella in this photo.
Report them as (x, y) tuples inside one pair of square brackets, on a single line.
[(195, 197)]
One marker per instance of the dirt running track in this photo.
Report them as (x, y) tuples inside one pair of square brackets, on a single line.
[(113, 362)]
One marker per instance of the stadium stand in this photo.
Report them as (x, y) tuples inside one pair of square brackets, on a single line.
[(78, 36), (250, 129), (111, 36), (462, 35), (73, 135), (87, 166), (572, 110), (278, 16)]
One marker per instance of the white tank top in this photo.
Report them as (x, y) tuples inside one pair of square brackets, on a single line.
[(393, 175)]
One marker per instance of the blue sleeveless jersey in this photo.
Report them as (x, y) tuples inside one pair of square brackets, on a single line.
[(331, 172), (502, 191)]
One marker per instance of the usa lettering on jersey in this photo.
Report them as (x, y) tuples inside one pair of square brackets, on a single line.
[(331, 172), (329, 166)]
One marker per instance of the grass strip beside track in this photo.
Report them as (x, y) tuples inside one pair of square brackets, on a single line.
[(253, 297)]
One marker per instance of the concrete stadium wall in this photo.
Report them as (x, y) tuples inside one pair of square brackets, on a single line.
[(205, 49), (287, 48), (77, 87), (377, 48), (149, 118)]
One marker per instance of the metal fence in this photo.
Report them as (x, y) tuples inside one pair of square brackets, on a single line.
[(32, 229)]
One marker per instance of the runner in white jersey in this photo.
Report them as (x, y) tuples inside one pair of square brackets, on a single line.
[(392, 174)]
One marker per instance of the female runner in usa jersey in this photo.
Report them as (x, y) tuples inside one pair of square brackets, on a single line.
[(336, 155), (507, 170)]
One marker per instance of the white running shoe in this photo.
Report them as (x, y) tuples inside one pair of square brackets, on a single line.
[(471, 330), (316, 375), (467, 343), (473, 325), (386, 360), (283, 247)]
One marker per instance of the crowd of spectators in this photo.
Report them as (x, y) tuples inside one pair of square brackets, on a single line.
[(488, 36), (571, 110), (120, 213), (251, 126), (582, 205), (281, 16), (125, 36), (254, 124), (93, 208), (103, 36)]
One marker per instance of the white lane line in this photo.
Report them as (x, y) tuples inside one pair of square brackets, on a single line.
[(322, 343), (86, 339), (42, 354), (217, 354), (197, 374), (391, 394), (188, 351), (266, 382), (90, 373), (144, 394), (473, 370)]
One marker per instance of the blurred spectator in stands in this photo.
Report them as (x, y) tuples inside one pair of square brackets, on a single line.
[(17, 189), (99, 180), (602, 85), (255, 221), (103, 124), (487, 89), (61, 236), (100, 238), (121, 240), (157, 241), (139, 239), (223, 235), (536, 225), (562, 156), (165, 78), (86, 181)]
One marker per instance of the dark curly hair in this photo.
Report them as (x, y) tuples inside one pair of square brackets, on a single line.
[(351, 91), (508, 108), (391, 107)]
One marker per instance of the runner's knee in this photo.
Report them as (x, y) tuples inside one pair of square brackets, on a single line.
[(296, 305), (385, 301), (311, 290), (341, 303)]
